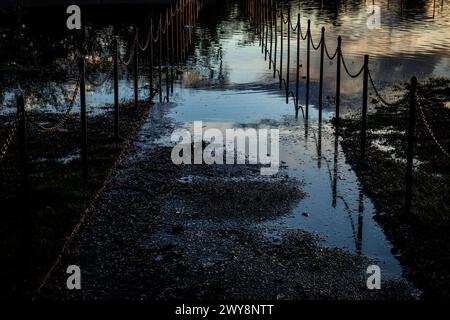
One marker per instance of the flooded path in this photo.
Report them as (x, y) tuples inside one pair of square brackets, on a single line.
[(212, 231)]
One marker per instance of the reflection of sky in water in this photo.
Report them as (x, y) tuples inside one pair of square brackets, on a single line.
[(337, 211)]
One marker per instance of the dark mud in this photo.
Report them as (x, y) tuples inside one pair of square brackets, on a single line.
[(165, 232), (57, 194)]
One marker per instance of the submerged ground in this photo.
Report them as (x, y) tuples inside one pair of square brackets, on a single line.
[(163, 231)]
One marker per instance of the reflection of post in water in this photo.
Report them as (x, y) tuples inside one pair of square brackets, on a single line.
[(221, 77), (335, 168), (434, 8), (360, 222), (319, 147), (306, 131)]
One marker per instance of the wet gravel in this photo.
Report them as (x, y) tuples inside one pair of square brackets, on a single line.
[(166, 232)]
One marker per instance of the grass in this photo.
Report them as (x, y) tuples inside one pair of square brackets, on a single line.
[(423, 235), (58, 195)]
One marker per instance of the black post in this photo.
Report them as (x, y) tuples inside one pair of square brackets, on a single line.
[(151, 62), (308, 72), (338, 79), (288, 65), (281, 46), (266, 26), (84, 150), (25, 278), (276, 40), (136, 67), (270, 14), (172, 46), (364, 107), (160, 57), (116, 90), (167, 56), (410, 154), (297, 82), (322, 49)]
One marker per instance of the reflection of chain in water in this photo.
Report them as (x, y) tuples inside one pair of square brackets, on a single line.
[(333, 186), (427, 125)]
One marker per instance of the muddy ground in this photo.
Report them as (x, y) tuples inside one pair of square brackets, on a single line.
[(161, 231)]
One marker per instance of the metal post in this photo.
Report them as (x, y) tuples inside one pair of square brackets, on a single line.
[(364, 107), (136, 67), (167, 56), (322, 51), (297, 82), (266, 28), (172, 54), (151, 62), (281, 46), (410, 153), (308, 63), (288, 66), (271, 33), (116, 90), (276, 41), (338, 79), (84, 148), (25, 258), (160, 58)]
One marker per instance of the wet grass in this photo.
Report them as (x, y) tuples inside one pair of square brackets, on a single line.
[(422, 236), (58, 196)]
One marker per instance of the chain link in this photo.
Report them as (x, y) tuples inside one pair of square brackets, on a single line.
[(331, 57), (130, 58), (312, 43), (394, 104), (9, 139), (427, 125), (356, 75), (64, 118)]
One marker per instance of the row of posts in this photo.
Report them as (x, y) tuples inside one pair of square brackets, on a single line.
[(180, 39), (265, 15)]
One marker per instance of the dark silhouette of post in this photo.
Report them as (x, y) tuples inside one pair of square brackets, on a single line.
[(288, 64), (84, 148), (25, 278), (297, 80), (276, 41), (364, 107), (151, 62), (338, 79), (136, 68), (410, 151), (308, 62), (281, 45), (116, 90), (322, 49), (160, 56)]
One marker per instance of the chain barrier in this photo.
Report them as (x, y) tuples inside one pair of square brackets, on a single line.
[(318, 45), (331, 57), (10, 138), (130, 58), (64, 118), (430, 132), (108, 76), (143, 48), (394, 104), (356, 75), (297, 25)]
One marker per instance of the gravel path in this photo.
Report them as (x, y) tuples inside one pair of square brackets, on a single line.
[(161, 231)]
